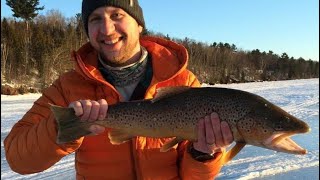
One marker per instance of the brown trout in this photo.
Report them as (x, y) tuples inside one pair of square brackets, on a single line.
[(175, 112)]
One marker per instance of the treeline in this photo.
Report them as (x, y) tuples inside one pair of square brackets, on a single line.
[(34, 53), (225, 63)]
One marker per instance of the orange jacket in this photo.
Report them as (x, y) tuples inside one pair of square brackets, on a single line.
[(30, 146)]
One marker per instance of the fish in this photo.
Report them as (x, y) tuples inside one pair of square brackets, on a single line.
[(175, 111)]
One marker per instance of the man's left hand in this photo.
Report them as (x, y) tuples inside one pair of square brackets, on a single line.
[(213, 135)]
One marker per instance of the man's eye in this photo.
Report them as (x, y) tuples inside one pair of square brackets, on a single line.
[(117, 15), (94, 19)]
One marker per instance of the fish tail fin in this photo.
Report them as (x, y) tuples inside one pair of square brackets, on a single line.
[(69, 126), (232, 152)]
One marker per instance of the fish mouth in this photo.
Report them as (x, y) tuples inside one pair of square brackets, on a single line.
[(283, 143)]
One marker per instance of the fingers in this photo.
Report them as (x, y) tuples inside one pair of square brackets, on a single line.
[(213, 135), (227, 135), (90, 110), (76, 105), (201, 143), (209, 134), (216, 127), (86, 105), (103, 109)]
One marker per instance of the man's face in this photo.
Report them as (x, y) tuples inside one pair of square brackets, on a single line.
[(114, 34)]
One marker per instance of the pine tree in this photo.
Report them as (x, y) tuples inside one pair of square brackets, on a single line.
[(26, 10)]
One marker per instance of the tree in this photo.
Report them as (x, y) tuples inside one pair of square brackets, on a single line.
[(233, 48), (79, 28), (26, 10), (5, 46), (284, 56)]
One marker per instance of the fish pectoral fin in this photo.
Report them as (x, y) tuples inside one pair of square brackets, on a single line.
[(232, 152), (170, 144), (118, 136)]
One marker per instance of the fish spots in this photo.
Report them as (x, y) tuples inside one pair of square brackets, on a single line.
[(230, 111), (234, 121), (278, 127), (246, 124), (181, 112), (265, 130)]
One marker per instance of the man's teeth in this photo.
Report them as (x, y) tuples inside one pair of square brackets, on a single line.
[(111, 42)]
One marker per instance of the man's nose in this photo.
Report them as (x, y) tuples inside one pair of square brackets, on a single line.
[(108, 26)]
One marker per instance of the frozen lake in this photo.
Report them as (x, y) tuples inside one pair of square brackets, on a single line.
[(299, 97)]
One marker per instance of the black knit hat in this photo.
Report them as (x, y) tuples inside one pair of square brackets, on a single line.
[(130, 6)]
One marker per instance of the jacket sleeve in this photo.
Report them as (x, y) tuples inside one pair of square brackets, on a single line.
[(30, 146), (190, 168)]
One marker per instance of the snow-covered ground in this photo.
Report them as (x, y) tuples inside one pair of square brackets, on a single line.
[(299, 97)]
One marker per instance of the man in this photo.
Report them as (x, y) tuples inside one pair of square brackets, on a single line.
[(116, 65)]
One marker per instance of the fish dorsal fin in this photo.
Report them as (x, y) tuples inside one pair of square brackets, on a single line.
[(232, 152), (165, 92)]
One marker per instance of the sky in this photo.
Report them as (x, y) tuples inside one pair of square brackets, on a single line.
[(300, 100), (290, 26)]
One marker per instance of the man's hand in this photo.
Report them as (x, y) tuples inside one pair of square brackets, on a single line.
[(213, 135), (91, 111)]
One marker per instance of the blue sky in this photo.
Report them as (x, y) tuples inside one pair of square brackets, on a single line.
[(290, 26)]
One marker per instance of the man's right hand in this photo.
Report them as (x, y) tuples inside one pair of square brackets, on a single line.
[(91, 111)]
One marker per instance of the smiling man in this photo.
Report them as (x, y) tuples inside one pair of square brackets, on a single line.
[(117, 64), (115, 35)]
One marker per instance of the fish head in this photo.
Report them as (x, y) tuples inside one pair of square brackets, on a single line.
[(269, 126)]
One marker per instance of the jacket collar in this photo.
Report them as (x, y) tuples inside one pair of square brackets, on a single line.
[(168, 59)]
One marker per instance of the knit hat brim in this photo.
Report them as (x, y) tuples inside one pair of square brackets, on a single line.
[(130, 6)]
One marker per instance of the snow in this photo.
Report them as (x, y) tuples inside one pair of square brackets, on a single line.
[(299, 97)]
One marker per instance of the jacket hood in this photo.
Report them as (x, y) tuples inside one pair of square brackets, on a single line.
[(168, 59)]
